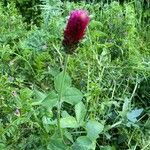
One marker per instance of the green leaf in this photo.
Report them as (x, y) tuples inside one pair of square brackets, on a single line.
[(72, 96), (147, 124), (46, 120), (68, 122), (126, 105), (25, 93), (80, 111), (68, 135), (107, 148), (53, 71), (93, 129), (58, 81), (132, 116), (83, 143), (56, 144), (39, 97), (50, 100), (2, 146), (64, 114)]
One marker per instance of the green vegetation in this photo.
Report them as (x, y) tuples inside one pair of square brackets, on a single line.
[(107, 102)]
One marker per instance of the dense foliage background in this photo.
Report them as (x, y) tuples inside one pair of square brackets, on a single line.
[(111, 68)]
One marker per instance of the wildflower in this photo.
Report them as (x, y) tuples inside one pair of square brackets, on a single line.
[(44, 47), (10, 79), (14, 93), (17, 112), (12, 62), (75, 29)]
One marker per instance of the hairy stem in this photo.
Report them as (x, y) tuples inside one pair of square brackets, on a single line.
[(60, 95)]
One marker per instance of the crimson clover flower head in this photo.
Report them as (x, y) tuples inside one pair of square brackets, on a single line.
[(75, 29)]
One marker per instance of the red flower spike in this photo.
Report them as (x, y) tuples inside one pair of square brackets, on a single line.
[(75, 29)]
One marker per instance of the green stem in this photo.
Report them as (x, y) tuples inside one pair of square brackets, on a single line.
[(60, 95)]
